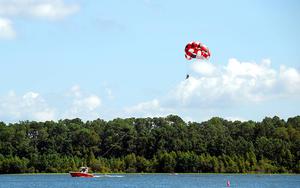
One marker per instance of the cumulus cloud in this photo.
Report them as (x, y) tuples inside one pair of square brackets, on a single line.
[(82, 104), (30, 106), (204, 68), (213, 89), (90, 102), (42, 9), (147, 109), (50, 9), (33, 106), (289, 80), (236, 83), (228, 91), (6, 29)]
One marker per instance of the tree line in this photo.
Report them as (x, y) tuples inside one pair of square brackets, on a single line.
[(162, 144)]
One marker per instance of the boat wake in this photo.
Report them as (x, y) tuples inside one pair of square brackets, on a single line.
[(108, 176)]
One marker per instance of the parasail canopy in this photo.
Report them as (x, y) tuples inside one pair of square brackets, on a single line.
[(196, 50)]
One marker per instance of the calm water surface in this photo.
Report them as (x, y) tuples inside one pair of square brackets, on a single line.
[(151, 181)]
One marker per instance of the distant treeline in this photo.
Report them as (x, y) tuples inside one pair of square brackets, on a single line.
[(164, 144)]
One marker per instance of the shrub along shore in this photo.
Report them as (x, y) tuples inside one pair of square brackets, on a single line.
[(151, 145)]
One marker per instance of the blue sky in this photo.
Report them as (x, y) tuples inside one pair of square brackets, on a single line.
[(124, 58)]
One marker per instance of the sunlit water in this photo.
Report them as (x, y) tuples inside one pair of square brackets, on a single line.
[(151, 181)]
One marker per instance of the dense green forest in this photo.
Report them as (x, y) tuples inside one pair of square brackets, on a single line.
[(164, 144)]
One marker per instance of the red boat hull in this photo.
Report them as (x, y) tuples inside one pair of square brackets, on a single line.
[(80, 174)]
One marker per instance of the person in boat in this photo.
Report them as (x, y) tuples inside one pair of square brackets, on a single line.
[(84, 170)]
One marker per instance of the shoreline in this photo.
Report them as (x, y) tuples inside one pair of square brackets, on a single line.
[(124, 173)]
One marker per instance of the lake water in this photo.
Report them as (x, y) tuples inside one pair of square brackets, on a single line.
[(151, 181)]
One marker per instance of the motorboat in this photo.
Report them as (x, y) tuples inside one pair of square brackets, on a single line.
[(83, 172)]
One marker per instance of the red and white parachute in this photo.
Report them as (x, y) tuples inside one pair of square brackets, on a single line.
[(196, 50)]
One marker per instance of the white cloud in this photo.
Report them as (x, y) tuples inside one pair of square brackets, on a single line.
[(6, 29), (45, 115), (83, 105), (43, 9), (236, 83), (33, 106), (75, 90), (203, 68), (147, 109), (215, 90), (30, 106), (90, 102), (144, 106), (289, 80), (230, 91), (50, 9)]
